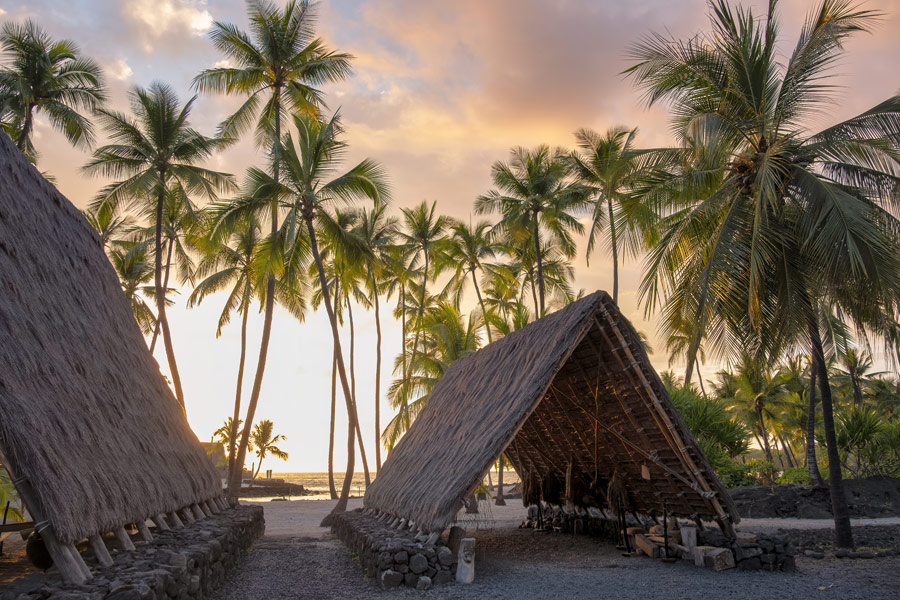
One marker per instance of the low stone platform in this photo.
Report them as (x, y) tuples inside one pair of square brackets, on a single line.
[(394, 557), (189, 562)]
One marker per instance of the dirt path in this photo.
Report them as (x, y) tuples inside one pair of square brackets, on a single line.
[(297, 559)]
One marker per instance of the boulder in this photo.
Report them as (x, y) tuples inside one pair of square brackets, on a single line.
[(391, 579), (418, 564), (719, 559), (424, 584)]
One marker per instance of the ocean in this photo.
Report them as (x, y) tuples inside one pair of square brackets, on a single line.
[(317, 483)]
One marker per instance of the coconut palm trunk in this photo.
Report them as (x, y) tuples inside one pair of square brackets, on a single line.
[(615, 250), (26, 128), (161, 296), (232, 435), (487, 326), (421, 309), (499, 500), (815, 478), (341, 505), (359, 439), (331, 489), (843, 535), (764, 434), (377, 376), (234, 484), (540, 263), (165, 287)]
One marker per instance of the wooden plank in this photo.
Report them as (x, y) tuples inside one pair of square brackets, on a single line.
[(12, 527), (646, 546)]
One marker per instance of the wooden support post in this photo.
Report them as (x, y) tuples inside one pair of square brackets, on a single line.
[(101, 552), (175, 519), (204, 508), (160, 522), (412, 526), (124, 539), (212, 506), (144, 531), (188, 515), (226, 504), (433, 537), (70, 564), (198, 514), (77, 560)]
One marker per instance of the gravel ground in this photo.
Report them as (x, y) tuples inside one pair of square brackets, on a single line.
[(297, 559)]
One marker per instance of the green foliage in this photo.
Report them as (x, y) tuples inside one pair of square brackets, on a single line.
[(795, 475), (711, 423)]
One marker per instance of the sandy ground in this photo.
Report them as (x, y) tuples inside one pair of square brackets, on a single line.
[(298, 559)]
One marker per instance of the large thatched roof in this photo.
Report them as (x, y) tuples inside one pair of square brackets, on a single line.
[(85, 414), (571, 399)]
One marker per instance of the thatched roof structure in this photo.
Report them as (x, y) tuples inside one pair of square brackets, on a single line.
[(85, 414), (576, 406)]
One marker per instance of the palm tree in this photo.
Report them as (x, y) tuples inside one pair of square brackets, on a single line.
[(608, 166), (156, 150), (377, 231), (135, 273), (447, 337), (422, 232), (108, 225), (680, 332), (280, 62), (465, 251), (223, 434), (229, 264), (312, 184), (50, 77), (263, 441), (855, 373), (534, 192), (794, 217)]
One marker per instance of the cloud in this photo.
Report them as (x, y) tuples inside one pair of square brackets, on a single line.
[(157, 19), (118, 70)]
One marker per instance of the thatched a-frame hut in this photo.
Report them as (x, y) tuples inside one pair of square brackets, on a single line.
[(576, 406), (88, 427)]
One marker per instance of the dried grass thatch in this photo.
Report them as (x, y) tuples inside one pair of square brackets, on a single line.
[(574, 402), (85, 414)]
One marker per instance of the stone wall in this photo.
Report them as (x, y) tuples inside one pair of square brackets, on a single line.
[(708, 548), (394, 557), (187, 563)]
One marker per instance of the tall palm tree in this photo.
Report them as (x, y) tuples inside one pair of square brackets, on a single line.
[(795, 216), (278, 64), (378, 232), (448, 336), (854, 373), (608, 166), (41, 75), (465, 250), (263, 441), (229, 264), (534, 192), (423, 230), (312, 183), (135, 271), (107, 222), (154, 150)]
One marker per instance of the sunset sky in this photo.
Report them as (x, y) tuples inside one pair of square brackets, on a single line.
[(441, 90)]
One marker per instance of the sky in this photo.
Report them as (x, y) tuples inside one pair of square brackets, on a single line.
[(440, 91)]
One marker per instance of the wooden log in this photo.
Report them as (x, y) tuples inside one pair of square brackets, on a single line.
[(211, 505), (433, 537), (188, 515), (101, 552), (66, 562), (175, 520), (204, 508), (198, 514), (160, 522), (646, 546), (144, 531), (77, 560), (124, 539)]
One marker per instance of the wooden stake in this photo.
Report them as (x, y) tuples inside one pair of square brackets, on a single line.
[(160, 522), (78, 561), (188, 515), (175, 519), (212, 506), (433, 537), (204, 508), (124, 539), (198, 514), (144, 531), (101, 552)]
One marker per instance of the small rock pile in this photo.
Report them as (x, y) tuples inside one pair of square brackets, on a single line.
[(753, 552), (394, 557), (187, 563)]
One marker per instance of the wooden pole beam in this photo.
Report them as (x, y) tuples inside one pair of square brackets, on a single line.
[(101, 552), (144, 531), (124, 539)]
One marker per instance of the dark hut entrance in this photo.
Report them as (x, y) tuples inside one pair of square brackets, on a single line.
[(574, 402)]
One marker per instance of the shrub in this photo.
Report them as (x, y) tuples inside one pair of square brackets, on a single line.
[(796, 475)]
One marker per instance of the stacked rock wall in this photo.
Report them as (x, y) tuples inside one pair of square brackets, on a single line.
[(188, 563), (394, 557)]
